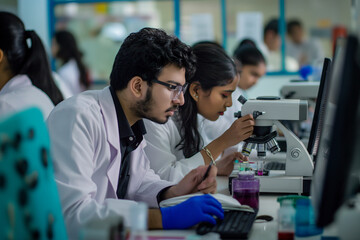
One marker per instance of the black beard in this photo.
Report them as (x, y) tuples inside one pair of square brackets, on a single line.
[(143, 108)]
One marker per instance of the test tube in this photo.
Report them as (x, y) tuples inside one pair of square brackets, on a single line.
[(260, 167)]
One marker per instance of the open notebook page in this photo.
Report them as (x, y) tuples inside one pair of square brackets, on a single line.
[(227, 202)]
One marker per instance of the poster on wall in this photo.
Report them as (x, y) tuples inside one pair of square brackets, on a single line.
[(202, 27), (249, 25)]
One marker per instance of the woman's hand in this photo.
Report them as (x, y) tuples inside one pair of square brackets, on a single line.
[(226, 164), (240, 130)]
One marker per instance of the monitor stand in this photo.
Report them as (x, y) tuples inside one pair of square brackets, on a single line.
[(347, 219)]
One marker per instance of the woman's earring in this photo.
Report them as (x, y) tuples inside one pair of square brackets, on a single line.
[(196, 96)]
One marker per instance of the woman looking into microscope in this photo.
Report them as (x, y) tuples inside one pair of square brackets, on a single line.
[(177, 146)]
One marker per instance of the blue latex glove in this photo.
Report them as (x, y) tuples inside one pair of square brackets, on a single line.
[(192, 211), (306, 71)]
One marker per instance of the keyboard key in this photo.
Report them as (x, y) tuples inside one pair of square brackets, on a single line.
[(236, 224)]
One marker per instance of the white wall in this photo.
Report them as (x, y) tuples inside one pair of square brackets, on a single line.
[(34, 14)]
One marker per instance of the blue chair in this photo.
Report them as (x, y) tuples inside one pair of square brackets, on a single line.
[(29, 201)]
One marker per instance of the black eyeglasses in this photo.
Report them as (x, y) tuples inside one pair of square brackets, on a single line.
[(175, 89)]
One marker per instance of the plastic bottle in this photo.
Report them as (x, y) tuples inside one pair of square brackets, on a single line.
[(245, 189), (305, 220), (286, 221), (139, 219)]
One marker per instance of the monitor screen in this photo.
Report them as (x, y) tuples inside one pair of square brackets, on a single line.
[(337, 141), (318, 118)]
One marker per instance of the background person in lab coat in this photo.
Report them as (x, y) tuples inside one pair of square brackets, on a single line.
[(271, 48), (178, 146), (72, 70), (307, 51), (100, 166), (25, 76)]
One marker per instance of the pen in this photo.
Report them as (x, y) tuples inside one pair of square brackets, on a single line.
[(207, 171)]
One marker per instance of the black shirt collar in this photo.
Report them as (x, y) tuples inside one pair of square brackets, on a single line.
[(127, 133)]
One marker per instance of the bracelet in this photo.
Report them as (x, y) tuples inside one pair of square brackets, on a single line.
[(209, 155)]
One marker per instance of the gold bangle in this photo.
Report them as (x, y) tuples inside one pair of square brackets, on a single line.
[(209, 155)]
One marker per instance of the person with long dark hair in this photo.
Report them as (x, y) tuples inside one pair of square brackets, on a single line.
[(72, 70), (177, 147), (251, 66), (25, 75)]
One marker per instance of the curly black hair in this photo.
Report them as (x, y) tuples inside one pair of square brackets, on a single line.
[(145, 53)]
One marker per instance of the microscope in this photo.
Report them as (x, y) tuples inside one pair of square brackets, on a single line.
[(302, 90), (268, 112)]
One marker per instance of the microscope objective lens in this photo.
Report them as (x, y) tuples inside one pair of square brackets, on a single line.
[(261, 150)]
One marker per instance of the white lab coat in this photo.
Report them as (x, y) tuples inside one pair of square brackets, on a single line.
[(167, 160), (70, 75), (64, 89), (310, 50), (86, 153), (19, 93)]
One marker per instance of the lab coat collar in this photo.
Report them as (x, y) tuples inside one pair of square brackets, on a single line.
[(19, 81), (112, 134), (108, 111)]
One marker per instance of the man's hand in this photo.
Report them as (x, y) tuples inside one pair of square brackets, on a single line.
[(194, 182), (192, 211)]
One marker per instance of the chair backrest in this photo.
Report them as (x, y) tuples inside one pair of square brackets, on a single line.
[(29, 201)]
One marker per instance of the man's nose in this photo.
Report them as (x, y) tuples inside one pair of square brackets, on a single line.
[(180, 99)]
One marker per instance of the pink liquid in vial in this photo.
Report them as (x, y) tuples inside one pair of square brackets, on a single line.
[(248, 197)]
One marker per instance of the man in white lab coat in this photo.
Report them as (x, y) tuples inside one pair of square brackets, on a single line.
[(100, 167)]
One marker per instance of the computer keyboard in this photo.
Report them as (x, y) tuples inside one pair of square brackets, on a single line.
[(236, 225), (274, 166)]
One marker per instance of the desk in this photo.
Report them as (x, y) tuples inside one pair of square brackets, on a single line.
[(267, 206)]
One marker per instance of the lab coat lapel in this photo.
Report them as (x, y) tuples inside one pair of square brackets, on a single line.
[(112, 133)]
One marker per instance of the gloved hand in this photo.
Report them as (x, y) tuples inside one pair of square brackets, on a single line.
[(192, 211)]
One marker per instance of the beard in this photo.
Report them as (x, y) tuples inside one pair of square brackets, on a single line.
[(143, 109)]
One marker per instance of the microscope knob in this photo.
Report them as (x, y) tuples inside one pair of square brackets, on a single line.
[(237, 114), (242, 99), (295, 153)]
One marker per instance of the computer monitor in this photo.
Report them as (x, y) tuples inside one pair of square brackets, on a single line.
[(337, 145), (318, 118)]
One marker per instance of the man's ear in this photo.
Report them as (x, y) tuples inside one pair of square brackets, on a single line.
[(137, 86), (1, 55), (194, 89)]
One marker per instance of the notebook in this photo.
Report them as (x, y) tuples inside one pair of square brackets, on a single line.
[(227, 202)]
